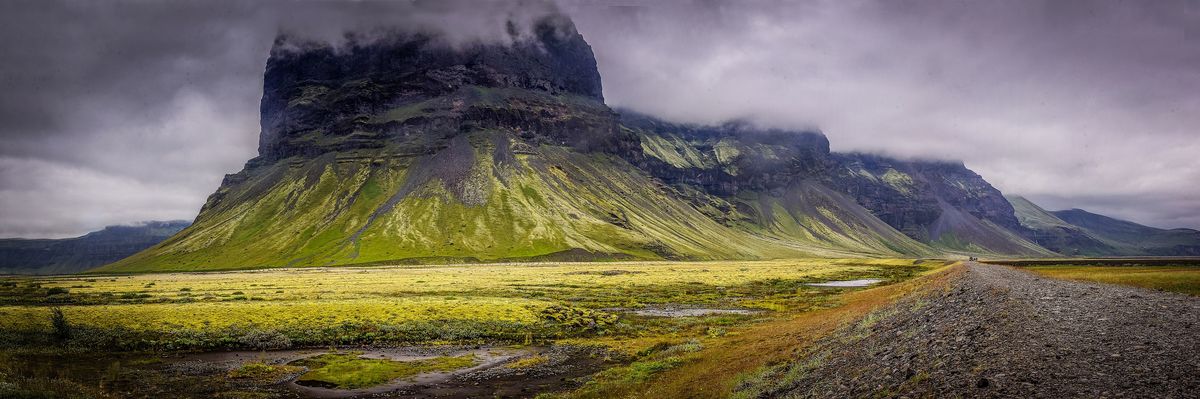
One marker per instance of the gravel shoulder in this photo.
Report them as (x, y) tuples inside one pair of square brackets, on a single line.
[(996, 331)]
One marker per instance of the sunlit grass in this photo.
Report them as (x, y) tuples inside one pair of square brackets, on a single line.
[(216, 315), (418, 304), (350, 370), (1183, 279)]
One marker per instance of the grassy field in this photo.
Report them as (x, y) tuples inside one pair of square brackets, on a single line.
[(577, 304), (1176, 274), (1182, 278), (426, 304)]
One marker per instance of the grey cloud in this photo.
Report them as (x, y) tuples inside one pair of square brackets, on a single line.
[(117, 112)]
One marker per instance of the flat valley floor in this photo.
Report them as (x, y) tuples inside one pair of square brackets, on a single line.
[(764, 329)]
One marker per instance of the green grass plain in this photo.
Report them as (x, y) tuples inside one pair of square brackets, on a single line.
[(578, 304), (350, 371)]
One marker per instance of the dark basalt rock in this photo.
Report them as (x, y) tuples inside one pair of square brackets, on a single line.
[(914, 203), (319, 98), (770, 161), (794, 155)]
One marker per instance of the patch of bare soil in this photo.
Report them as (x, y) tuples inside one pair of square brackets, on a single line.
[(996, 331)]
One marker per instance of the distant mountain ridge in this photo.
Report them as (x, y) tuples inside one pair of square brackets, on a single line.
[(1076, 232), (402, 149), (71, 255), (1134, 239)]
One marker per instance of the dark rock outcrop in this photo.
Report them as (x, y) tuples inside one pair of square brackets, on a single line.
[(906, 194), (319, 98), (933, 201), (727, 159)]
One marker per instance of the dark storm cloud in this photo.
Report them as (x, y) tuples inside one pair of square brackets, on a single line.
[(128, 111)]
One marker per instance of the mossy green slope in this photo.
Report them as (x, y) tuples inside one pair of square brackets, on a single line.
[(346, 210), (811, 213), (800, 211)]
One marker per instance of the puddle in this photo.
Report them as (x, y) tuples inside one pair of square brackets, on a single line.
[(690, 312), (847, 283)]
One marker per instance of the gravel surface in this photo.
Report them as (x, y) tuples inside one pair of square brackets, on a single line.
[(995, 331)]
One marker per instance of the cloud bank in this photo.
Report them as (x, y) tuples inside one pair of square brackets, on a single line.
[(133, 111)]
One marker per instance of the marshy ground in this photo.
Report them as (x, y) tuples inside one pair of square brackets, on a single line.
[(513, 330), (631, 329)]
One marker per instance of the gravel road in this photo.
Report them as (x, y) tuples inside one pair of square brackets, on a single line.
[(996, 331)]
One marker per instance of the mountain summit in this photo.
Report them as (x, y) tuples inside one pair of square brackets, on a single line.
[(319, 98), (402, 147)]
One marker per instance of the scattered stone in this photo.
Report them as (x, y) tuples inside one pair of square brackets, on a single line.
[(1003, 322)]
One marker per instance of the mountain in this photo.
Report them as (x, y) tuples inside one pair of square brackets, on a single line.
[(1130, 238), (1057, 235), (408, 149), (401, 147), (940, 203), (71, 255), (1077, 232), (771, 181)]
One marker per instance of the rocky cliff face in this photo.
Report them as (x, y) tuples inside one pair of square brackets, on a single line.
[(377, 90), (770, 179), (726, 159), (942, 203), (938, 203), (910, 194)]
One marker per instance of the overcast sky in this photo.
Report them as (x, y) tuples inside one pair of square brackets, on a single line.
[(123, 112)]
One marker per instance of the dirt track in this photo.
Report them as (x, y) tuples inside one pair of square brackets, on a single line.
[(995, 331)]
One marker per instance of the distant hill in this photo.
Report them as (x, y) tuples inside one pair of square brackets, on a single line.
[(1057, 235), (1077, 232), (1132, 238), (71, 255)]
